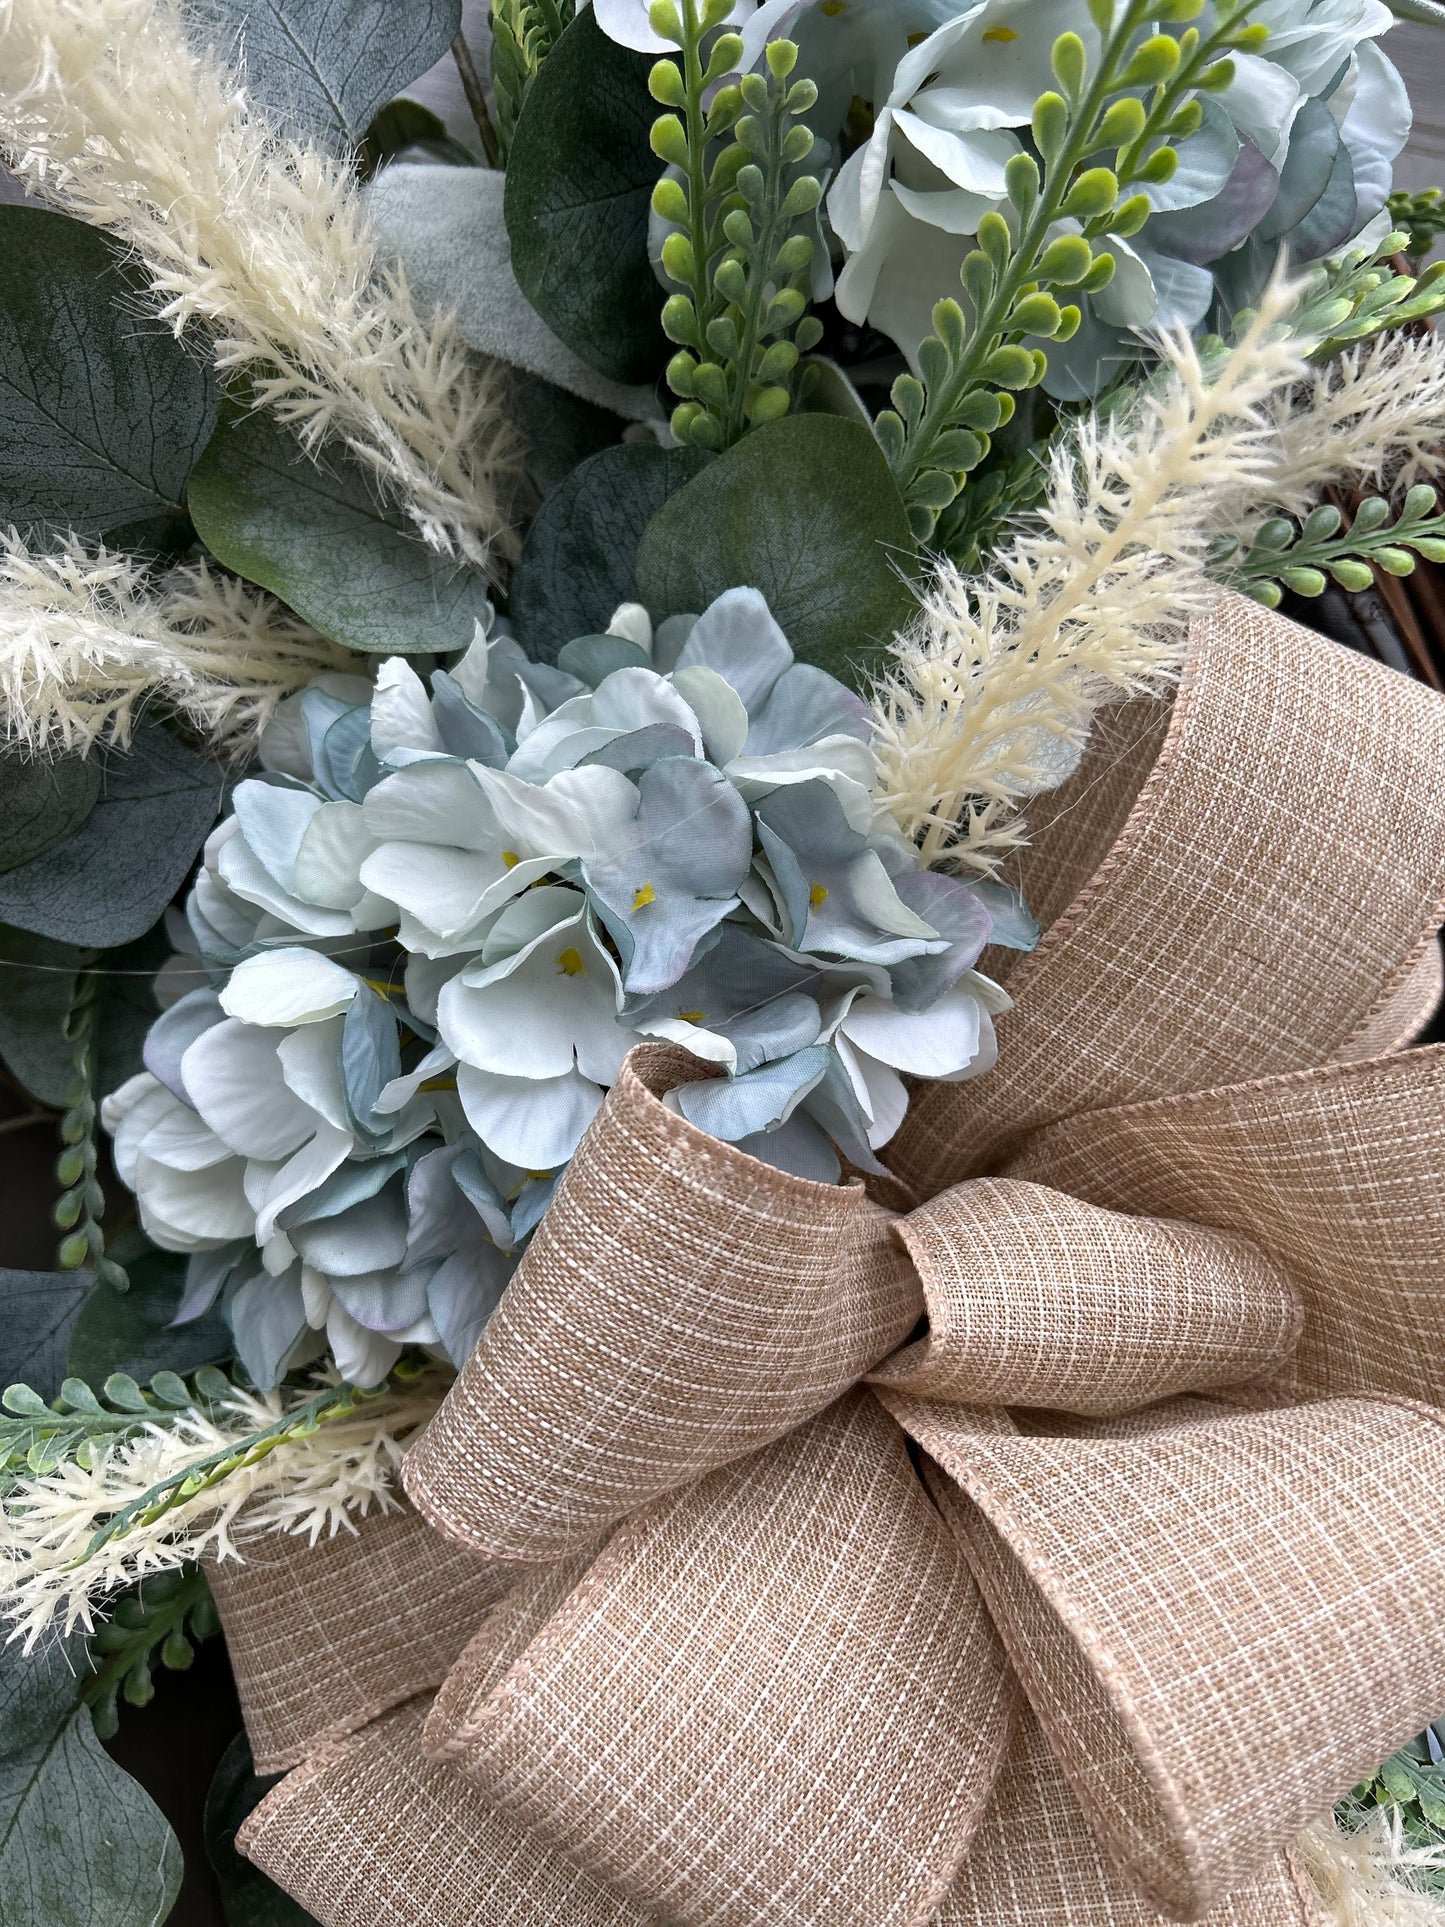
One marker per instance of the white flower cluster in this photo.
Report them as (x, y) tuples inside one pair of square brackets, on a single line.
[(432, 928)]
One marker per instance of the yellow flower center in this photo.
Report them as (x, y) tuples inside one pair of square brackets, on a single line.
[(643, 897), (830, 9), (1002, 34), (511, 859), (570, 963), (818, 896), (693, 1016)]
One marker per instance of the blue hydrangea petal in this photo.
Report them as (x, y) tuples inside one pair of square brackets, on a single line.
[(760, 1100), (274, 816), (806, 704), (370, 1059), (738, 636), (462, 1295), (385, 1300), (464, 730), (958, 913), (267, 1317), (367, 1236), (797, 1147), (173, 1032), (356, 1181), (592, 659)]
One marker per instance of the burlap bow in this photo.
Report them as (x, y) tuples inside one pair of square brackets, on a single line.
[(1146, 1426)]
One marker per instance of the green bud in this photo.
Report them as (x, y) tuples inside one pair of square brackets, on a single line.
[(1036, 314), (669, 140), (67, 1208), (177, 1652), (802, 197), (727, 51), (767, 404), (679, 321), (1432, 547), (678, 259), (1395, 561), (752, 184), (794, 255), (731, 281), (1309, 582), (802, 96), (74, 1251), (714, 12), (1131, 215), (1152, 62), (1159, 167), (994, 238), (1069, 62), (70, 1166), (1321, 523), (797, 145), (1009, 367), (1266, 592), (680, 372), (1185, 121), (755, 93), (665, 84), (727, 104), (1093, 193), (1420, 501), (1215, 79), (738, 228), (1352, 574), (1275, 534), (1173, 12), (669, 200), (779, 361), (663, 18), (1252, 38), (807, 334), (1124, 122), (1065, 261), (1021, 181), (1050, 124), (782, 57), (784, 309), (1069, 319), (1101, 12)]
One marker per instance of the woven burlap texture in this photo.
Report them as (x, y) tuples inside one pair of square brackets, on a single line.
[(370, 1833), (776, 1698), (1035, 1298), (680, 1305), (323, 1637), (1273, 888), (1215, 1621), (1035, 1863)]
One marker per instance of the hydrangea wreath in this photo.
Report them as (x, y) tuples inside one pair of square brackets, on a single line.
[(528, 532)]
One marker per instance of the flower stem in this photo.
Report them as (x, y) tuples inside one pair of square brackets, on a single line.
[(477, 99)]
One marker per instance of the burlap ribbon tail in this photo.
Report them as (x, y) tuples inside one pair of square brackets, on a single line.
[(1045, 1538)]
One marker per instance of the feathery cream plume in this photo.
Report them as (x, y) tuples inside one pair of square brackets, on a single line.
[(1374, 415), (108, 110), (306, 1485), (1372, 1878), (992, 692), (88, 635)]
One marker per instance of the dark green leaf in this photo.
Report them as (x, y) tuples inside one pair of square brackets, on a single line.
[(315, 534), (806, 511), (111, 880), (248, 1898), (38, 1310), (81, 1843), (42, 801), (579, 184), (131, 1331), (326, 67), (126, 1006), (37, 987), (104, 410), (580, 557)]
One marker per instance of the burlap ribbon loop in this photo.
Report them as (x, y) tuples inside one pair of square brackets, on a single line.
[(1036, 1298), (1205, 1535), (680, 1306)]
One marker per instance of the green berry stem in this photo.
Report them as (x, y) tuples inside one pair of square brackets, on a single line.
[(1304, 560), (964, 366), (81, 1204), (164, 1617)]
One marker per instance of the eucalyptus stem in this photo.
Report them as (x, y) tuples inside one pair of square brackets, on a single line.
[(476, 99), (78, 1210)]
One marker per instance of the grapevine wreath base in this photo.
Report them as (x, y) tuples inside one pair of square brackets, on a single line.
[(1049, 1533)]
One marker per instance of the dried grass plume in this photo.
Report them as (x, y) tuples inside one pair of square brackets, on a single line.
[(992, 692), (1372, 1878), (109, 112), (88, 636)]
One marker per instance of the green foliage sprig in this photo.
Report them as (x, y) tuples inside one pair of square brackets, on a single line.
[(524, 32), (1306, 558), (79, 1207), (939, 426), (36, 1436), (1420, 217), (1412, 1784), (1360, 295), (737, 248), (161, 1620)]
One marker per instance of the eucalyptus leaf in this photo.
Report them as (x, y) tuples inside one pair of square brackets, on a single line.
[(131, 1331), (126, 1006), (806, 511), (326, 67), (37, 1315), (580, 557), (37, 988), (315, 534), (110, 881), (43, 800), (445, 226), (81, 1843), (248, 1897), (104, 410), (579, 187)]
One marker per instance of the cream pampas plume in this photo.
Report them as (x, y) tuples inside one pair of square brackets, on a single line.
[(992, 693), (87, 636), (1373, 1877), (110, 112)]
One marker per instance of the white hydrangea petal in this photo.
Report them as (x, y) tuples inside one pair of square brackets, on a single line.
[(247, 877), (574, 813), (880, 1091), (442, 888), (312, 1165), (193, 1210), (179, 1139), (432, 802), (401, 712), (328, 863), (931, 1043), (534, 1123), (234, 1077), (291, 986), (720, 711)]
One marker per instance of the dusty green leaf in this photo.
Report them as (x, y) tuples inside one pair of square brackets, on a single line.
[(43, 800), (131, 1331), (37, 1314), (806, 511), (104, 411), (37, 986), (315, 534)]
